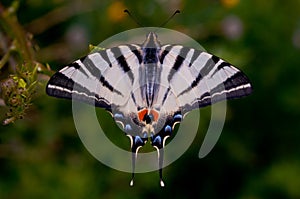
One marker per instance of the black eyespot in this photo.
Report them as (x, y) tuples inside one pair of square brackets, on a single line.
[(148, 118)]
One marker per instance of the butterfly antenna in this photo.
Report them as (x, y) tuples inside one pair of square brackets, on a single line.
[(133, 18), (167, 21)]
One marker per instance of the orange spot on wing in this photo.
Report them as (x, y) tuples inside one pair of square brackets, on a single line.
[(142, 113), (155, 115)]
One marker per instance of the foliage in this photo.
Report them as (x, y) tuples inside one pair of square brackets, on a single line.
[(18, 61), (257, 155)]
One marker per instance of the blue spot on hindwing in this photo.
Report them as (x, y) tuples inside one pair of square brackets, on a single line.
[(157, 141), (138, 140), (128, 128), (118, 116), (145, 135), (177, 117), (168, 129)]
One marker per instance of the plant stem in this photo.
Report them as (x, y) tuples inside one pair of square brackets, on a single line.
[(11, 25), (4, 59)]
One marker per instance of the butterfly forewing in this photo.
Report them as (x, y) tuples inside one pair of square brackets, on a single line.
[(201, 79), (100, 78)]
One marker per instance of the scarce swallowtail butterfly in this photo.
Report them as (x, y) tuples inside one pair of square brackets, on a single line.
[(149, 88)]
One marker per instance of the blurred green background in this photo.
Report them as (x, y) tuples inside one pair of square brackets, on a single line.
[(258, 153)]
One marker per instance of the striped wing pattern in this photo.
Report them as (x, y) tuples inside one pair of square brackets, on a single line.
[(199, 79), (92, 79), (149, 88)]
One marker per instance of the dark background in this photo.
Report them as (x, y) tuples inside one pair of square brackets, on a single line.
[(257, 155)]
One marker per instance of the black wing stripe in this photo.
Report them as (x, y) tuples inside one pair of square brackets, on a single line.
[(63, 87), (193, 84), (196, 54), (210, 64), (215, 59), (59, 79), (122, 62), (90, 66), (109, 86), (102, 54), (236, 86), (220, 67), (165, 96), (136, 52), (94, 70), (178, 62), (105, 57), (77, 66), (164, 53)]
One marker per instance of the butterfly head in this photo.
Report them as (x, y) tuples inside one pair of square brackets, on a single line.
[(151, 41)]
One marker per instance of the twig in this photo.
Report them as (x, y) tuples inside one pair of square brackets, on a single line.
[(19, 87)]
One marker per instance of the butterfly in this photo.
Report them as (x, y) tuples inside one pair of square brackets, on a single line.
[(149, 88)]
